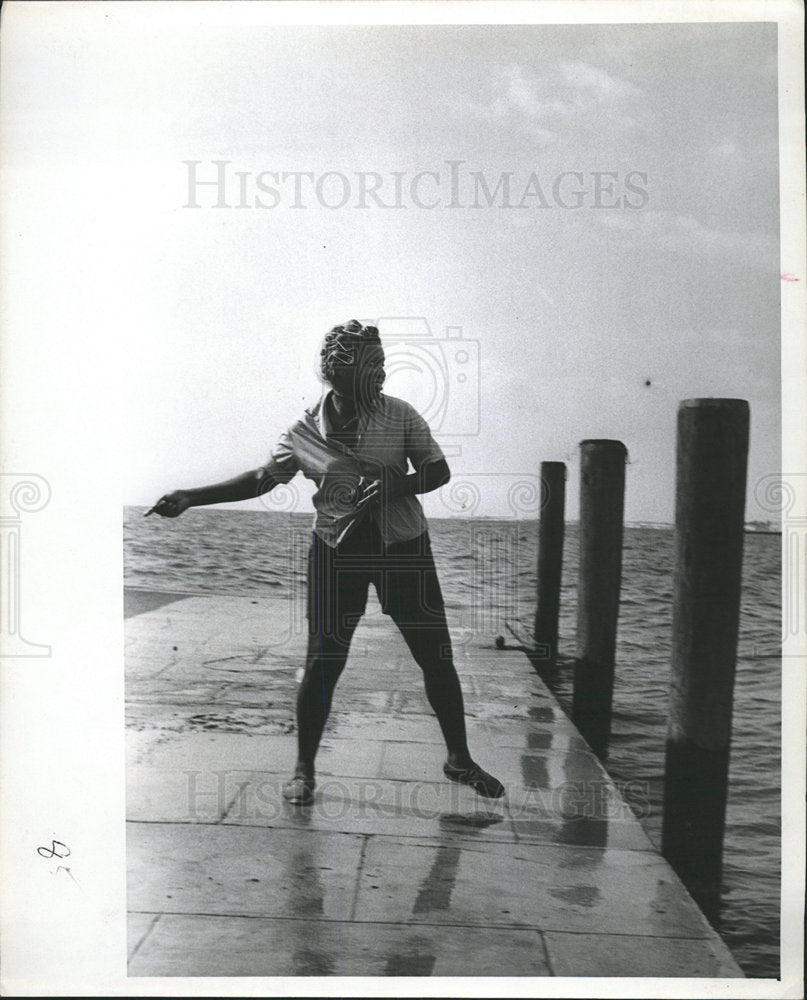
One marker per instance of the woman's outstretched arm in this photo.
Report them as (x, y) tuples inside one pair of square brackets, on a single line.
[(247, 486)]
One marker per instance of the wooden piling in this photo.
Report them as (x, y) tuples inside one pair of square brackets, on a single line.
[(602, 502), (712, 455), (550, 561)]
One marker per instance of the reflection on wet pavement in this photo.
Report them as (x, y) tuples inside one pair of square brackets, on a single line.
[(539, 740), (534, 772), (309, 962), (469, 821), (578, 895), (594, 821), (542, 713), (415, 958), (584, 832), (306, 892), (435, 890), (306, 897)]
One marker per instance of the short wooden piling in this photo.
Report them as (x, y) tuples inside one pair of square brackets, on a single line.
[(550, 561), (602, 503), (712, 455)]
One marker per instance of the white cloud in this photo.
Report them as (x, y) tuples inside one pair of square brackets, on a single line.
[(603, 87), (726, 152), (528, 94), (568, 92), (687, 235)]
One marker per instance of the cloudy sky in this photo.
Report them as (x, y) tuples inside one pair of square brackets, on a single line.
[(592, 210)]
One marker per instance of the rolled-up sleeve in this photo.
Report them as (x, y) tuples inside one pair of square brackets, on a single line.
[(282, 464), (420, 445)]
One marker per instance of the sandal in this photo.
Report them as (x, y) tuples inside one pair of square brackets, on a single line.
[(473, 776)]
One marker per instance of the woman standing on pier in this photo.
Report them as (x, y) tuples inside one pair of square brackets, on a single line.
[(370, 528)]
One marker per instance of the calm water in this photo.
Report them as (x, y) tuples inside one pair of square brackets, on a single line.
[(487, 570)]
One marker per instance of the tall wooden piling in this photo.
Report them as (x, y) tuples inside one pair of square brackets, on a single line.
[(712, 455), (602, 504), (550, 561)]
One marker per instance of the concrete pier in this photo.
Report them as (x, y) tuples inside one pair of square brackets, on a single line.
[(393, 871)]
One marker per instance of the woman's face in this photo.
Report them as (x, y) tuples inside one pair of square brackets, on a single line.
[(362, 379)]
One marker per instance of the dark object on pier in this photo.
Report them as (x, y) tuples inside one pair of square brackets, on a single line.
[(712, 455), (602, 505), (550, 562)]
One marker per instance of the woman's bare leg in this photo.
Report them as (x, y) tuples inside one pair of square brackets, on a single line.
[(430, 645)]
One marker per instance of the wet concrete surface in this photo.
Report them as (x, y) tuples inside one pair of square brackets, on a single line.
[(393, 871)]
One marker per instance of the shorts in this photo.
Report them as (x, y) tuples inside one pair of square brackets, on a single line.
[(403, 574)]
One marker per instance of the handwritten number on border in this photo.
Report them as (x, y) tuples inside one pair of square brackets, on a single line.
[(56, 850)]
